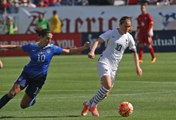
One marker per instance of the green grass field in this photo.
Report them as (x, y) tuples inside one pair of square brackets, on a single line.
[(73, 79)]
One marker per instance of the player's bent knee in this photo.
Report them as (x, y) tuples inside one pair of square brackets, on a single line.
[(1, 66), (108, 87), (23, 106)]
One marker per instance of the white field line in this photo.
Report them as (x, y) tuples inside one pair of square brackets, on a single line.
[(153, 82), (140, 82), (87, 96)]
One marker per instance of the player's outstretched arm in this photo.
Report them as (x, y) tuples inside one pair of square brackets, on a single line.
[(138, 68), (14, 47), (76, 50), (91, 54)]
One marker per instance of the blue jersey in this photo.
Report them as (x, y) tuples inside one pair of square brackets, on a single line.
[(40, 58)]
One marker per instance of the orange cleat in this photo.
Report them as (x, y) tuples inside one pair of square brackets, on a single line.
[(140, 61), (153, 60), (94, 111), (85, 109)]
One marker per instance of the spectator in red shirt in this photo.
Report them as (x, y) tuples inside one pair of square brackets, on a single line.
[(55, 3), (132, 2), (42, 3), (4, 5), (145, 33)]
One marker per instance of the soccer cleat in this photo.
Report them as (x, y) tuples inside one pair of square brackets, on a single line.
[(33, 101), (85, 109), (140, 61), (94, 111), (153, 60)]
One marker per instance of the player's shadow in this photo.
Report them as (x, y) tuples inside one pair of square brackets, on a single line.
[(67, 116), (10, 117)]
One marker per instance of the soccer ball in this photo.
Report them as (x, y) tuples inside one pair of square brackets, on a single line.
[(125, 109)]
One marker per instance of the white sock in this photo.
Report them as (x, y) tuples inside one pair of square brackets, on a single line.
[(101, 94)]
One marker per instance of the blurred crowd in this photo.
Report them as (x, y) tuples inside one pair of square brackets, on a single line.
[(152, 2), (11, 6), (54, 24)]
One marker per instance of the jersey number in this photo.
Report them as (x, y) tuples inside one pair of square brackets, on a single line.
[(41, 58), (118, 47)]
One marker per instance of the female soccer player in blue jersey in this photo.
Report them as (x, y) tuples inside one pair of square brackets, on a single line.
[(118, 39), (34, 73)]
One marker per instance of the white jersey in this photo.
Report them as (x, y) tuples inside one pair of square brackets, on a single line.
[(116, 45)]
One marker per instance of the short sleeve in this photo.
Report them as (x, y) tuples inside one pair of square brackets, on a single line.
[(106, 35), (26, 47), (132, 45), (57, 50), (150, 18)]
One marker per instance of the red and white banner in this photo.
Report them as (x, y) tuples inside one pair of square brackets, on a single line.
[(62, 40), (78, 19)]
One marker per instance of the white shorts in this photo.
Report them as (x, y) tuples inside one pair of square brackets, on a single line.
[(105, 70)]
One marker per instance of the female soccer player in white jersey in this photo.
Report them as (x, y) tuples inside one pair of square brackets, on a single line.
[(34, 73), (117, 41)]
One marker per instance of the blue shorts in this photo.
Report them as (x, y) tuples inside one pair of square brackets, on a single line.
[(33, 84)]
